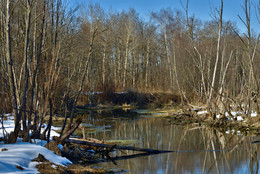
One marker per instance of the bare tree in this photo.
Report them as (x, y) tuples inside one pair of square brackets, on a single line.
[(220, 23)]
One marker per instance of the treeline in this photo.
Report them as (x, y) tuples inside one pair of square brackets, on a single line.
[(51, 54)]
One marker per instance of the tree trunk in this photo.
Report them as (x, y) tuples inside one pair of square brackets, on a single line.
[(218, 50), (10, 69), (26, 68), (126, 59)]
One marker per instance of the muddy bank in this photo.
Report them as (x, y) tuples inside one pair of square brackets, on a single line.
[(45, 166), (249, 126)]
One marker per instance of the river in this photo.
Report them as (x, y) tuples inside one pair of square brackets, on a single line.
[(196, 149)]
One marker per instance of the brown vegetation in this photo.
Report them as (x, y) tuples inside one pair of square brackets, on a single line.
[(131, 98)]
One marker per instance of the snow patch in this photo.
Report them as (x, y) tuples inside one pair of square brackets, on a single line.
[(236, 114), (60, 146), (239, 118), (233, 132), (21, 154), (202, 112)]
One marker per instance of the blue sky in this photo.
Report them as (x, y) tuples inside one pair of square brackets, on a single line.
[(200, 8)]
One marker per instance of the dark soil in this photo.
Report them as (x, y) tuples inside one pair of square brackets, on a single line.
[(53, 146), (19, 167)]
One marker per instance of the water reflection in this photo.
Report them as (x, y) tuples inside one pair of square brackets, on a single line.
[(198, 149)]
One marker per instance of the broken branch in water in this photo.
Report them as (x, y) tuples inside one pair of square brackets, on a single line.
[(152, 151)]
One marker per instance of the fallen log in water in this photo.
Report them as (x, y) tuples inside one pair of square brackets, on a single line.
[(152, 151), (117, 158)]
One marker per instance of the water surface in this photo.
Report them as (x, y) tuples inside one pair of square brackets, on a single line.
[(196, 149)]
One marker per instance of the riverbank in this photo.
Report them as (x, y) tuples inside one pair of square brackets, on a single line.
[(37, 156), (247, 124), (129, 98)]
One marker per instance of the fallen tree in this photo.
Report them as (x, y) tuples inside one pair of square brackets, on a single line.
[(112, 147)]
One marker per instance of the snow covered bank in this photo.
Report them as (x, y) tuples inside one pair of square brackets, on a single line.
[(20, 154)]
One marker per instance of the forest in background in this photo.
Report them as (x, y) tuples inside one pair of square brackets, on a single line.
[(52, 54)]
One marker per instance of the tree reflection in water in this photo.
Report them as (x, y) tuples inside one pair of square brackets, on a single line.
[(199, 149)]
